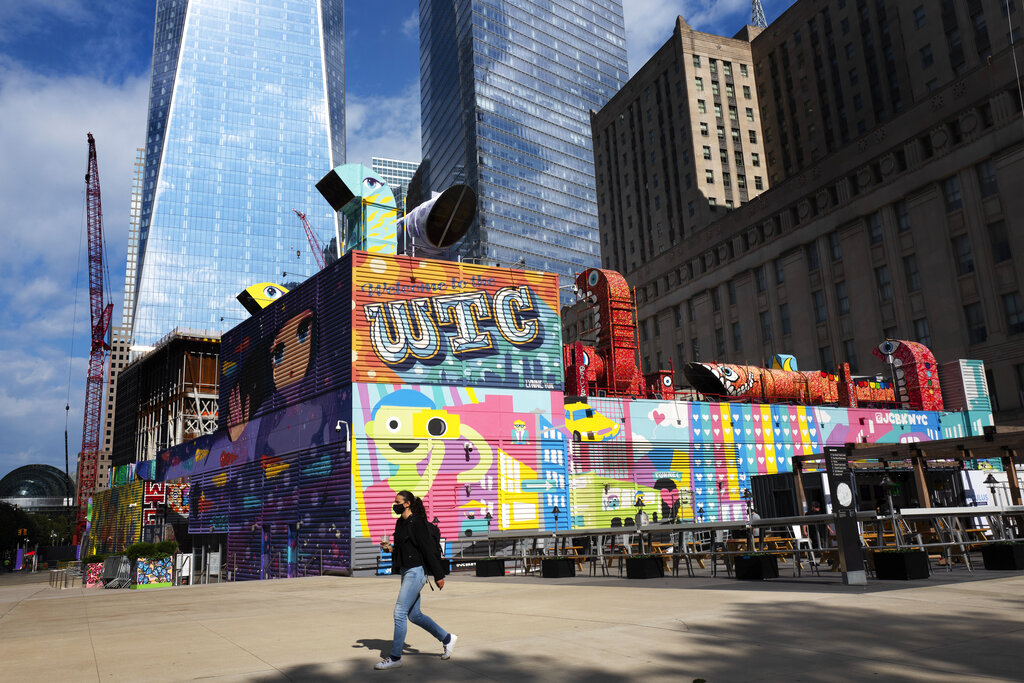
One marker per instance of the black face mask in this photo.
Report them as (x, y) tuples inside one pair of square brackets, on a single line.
[(398, 508)]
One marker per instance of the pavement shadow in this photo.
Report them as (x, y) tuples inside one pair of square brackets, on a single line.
[(383, 646)]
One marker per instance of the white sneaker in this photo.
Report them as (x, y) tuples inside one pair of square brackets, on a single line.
[(388, 663), (450, 647)]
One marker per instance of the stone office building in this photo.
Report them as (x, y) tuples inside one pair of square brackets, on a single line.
[(893, 135)]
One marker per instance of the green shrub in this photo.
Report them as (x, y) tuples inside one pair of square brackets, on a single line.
[(167, 548), (137, 550), (95, 557)]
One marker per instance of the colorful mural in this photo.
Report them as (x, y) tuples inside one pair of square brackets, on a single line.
[(153, 573), (915, 372), (436, 322), (367, 204), (468, 453)]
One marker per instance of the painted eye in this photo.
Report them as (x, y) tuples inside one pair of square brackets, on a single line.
[(586, 360), (372, 183), (302, 333), (394, 425), (593, 278), (271, 292), (728, 373), (278, 356), (436, 426), (666, 381)]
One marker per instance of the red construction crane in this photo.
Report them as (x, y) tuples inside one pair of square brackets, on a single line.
[(99, 314), (314, 243)]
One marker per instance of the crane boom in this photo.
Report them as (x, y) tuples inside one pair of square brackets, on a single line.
[(314, 243), (99, 316)]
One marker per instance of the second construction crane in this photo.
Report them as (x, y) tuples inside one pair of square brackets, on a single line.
[(314, 243)]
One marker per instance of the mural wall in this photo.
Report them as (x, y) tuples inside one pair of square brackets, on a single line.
[(122, 514)]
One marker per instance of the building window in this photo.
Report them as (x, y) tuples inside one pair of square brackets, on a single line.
[(766, 327), (702, 107), (976, 332), (921, 332), (842, 298), (1000, 241), (784, 318), (699, 82), (643, 330), (758, 183), (718, 111), (729, 91), (1014, 313), (743, 69), (875, 228), (951, 192), (919, 18), (818, 303), (714, 88), (987, 178), (741, 181), (716, 302), (733, 115), (713, 65), (726, 179), (962, 255), (853, 76), (737, 337), (780, 273), (736, 135), (752, 135), (927, 59), (825, 356), (910, 271), (731, 289), (696, 61), (834, 247), (720, 342), (746, 92), (850, 350), (707, 152), (902, 216), (709, 176), (750, 114), (755, 159), (762, 280), (883, 284), (703, 128), (727, 68), (812, 256), (721, 132)]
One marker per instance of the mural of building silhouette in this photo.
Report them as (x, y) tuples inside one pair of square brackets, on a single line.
[(246, 109), (893, 140), (506, 92)]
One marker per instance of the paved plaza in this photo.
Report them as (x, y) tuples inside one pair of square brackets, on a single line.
[(950, 627)]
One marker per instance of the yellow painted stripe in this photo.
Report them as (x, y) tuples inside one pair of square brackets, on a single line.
[(357, 488)]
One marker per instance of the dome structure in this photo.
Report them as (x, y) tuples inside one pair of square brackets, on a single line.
[(36, 481)]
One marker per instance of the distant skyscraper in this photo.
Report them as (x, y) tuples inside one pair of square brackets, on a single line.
[(506, 94), (246, 114), (397, 174)]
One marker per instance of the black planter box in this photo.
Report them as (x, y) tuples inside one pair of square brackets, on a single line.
[(491, 567), (901, 565), (1003, 556), (557, 568), (644, 568), (756, 567)]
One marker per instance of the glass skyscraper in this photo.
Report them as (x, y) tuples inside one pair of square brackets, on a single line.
[(246, 114), (397, 174), (506, 94)]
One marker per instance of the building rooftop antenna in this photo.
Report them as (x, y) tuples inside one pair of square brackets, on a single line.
[(757, 14)]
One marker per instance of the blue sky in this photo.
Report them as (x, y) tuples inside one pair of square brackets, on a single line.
[(69, 67)]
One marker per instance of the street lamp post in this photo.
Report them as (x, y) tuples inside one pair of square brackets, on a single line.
[(888, 485)]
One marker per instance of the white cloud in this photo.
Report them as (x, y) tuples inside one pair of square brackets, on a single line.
[(43, 126), (411, 26), (383, 126), (649, 23)]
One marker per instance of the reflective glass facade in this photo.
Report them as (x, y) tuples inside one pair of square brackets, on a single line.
[(506, 94), (246, 114)]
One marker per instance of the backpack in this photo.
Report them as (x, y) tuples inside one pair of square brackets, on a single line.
[(435, 536)]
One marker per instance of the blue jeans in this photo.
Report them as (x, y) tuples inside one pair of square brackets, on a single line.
[(408, 605)]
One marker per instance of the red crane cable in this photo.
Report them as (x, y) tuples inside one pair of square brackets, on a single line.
[(99, 314), (314, 243)]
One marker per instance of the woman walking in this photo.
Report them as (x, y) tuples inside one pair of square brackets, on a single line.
[(413, 554)]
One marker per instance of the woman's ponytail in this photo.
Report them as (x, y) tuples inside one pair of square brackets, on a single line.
[(416, 506)]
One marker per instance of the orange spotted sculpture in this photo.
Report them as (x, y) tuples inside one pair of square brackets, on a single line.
[(915, 373), (610, 365)]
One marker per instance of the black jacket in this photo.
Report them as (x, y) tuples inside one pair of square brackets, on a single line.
[(414, 547)]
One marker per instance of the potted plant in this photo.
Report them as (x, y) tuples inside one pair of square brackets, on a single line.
[(490, 566), (557, 567), (93, 577), (1005, 555), (153, 563), (756, 566), (900, 565), (645, 567)]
